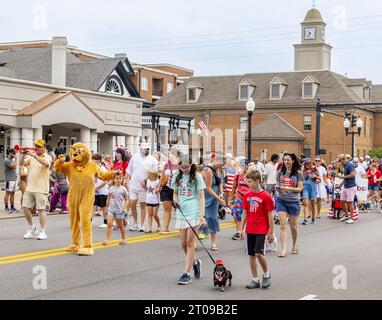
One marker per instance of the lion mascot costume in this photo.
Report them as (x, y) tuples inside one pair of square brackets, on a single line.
[(81, 172)]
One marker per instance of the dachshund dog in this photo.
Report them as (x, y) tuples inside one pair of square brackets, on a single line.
[(221, 275)]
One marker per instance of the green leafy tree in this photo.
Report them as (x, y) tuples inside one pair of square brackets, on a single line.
[(377, 153)]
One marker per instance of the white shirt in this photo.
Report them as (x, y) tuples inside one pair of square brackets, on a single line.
[(271, 172), (151, 196), (103, 190), (359, 172), (137, 170), (260, 167), (365, 164)]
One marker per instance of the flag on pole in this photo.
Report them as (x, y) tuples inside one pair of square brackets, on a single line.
[(202, 126)]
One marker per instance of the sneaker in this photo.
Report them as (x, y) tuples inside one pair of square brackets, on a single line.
[(253, 285), (266, 282), (134, 228), (313, 221), (142, 229), (236, 236), (305, 222), (42, 235), (349, 221), (6, 210), (32, 233), (184, 279), (14, 210), (198, 269), (344, 218), (103, 226)]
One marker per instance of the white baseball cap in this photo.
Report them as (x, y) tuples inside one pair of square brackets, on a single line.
[(145, 145), (367, 157)]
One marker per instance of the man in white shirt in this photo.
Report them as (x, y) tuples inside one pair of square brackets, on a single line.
[(359, 170), (136, 174), (257, 165), (270, 174), (366, 163)]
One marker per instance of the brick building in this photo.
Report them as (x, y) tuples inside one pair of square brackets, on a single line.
[(285, 117)]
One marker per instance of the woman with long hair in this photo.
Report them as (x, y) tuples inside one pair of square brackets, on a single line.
[(170, 168), (120, 161), (290, 182), (188, 186)]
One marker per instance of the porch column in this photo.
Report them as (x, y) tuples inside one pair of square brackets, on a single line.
[(85, 136), (94, 140), (136, 144), (130, 143), (37, 135), (27, 137), (121, 141), (15, 137)]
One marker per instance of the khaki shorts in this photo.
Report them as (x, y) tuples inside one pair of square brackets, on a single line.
[(139, 195), (39, 199)]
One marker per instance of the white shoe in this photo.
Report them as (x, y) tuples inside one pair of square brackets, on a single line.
[(134, 228), (102, 226), (31, 233), (142, 229), (344, 218), (42, 235), (349, 221)]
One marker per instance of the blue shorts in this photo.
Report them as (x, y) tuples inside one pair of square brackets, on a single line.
[(117, 215), (373, 187), (291, 208), (310, 191)]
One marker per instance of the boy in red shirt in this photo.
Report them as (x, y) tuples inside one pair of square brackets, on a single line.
[(258, 215)]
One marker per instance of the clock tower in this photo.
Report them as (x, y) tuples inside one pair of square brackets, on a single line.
[(313, 54)]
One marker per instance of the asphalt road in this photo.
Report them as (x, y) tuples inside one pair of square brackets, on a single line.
[(149, 266)]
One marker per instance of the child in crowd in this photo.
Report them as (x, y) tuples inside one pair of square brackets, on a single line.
[(116, 203), (188, 186), (258, 217), (151, 185)]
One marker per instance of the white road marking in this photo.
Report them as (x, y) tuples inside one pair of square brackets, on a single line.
[(309, 297)]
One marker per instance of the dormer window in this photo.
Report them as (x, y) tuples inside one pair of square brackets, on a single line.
[(246, 89), (192, 94), (277, 88), (194, 90), (309, 87), (114, 86)]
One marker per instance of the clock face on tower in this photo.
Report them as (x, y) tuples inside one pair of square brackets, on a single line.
[(310, 33)]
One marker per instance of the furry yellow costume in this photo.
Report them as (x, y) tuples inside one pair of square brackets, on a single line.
[(81, 172)]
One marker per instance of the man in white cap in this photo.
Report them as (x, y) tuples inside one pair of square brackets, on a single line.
[(136, 174), (359, 169), (366, 163)]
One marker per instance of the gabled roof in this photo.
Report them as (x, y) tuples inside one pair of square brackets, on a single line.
[(222, 90), (195, 84), (278, 80), (310, 78), (250, 82), (275, 127), (49, 100), (35, 64)]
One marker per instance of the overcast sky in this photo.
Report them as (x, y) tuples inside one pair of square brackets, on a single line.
[(211, 37)]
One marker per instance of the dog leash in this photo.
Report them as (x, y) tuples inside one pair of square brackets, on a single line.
[(178, 207)]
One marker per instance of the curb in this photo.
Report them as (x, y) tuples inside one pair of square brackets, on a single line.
[(17, 217)]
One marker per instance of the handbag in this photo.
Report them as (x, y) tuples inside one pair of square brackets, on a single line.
[(64, 187)]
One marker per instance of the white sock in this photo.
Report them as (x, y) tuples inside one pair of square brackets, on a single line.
[(266, 275), (256, 279)]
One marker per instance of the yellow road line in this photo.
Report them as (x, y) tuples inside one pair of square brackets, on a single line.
[(62, 251)]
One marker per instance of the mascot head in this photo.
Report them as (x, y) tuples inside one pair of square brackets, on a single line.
[(79, 154)]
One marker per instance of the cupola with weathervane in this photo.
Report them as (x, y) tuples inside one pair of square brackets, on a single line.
[(313, 54)]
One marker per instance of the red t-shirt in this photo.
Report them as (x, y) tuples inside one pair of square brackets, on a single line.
[(121, 166), (374, 177), (242, 186), (257, 206)]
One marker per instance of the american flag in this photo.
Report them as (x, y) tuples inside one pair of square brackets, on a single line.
[(202, 126)]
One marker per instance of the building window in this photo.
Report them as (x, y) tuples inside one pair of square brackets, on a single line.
[(144, 84), (308, 90), (365, 124), (307, 123), (275, 94), (170, 87), (244, 90), (192, 94), (243, 123), (114, 86)]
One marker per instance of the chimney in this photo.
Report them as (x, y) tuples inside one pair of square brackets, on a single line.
[(59, 61), (120, 55)]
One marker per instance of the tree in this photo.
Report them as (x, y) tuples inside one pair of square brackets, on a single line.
[(377, 153)]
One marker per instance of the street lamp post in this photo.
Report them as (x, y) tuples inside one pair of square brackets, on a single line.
[(250, 106), (356, 123)]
